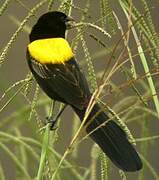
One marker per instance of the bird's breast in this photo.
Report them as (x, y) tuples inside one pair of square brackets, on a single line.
[(50, 51)]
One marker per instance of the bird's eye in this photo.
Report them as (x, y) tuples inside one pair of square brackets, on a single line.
[(63, 18)]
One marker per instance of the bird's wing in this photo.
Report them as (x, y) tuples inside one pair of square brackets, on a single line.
[(66, 80)]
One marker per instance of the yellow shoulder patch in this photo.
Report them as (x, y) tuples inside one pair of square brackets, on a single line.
[(50, 51)]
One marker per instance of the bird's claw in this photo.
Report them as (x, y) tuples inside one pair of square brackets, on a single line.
[(52, 121)]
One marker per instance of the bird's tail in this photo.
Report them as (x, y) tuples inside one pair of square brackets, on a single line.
[(111, 139)]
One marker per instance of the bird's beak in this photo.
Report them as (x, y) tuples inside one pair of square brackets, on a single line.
[(70, 22)]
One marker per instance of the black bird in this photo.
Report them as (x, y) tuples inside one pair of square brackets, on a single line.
[(55, 69)]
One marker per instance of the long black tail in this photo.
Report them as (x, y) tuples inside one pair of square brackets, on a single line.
[(112, 140)]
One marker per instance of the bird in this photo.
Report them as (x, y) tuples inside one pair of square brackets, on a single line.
[(56, 70)]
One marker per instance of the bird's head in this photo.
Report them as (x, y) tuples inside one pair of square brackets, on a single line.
[(51, 25)]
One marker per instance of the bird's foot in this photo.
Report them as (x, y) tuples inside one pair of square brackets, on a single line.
[(52, 121)]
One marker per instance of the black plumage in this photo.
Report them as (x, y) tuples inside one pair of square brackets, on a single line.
[(66, 83)]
